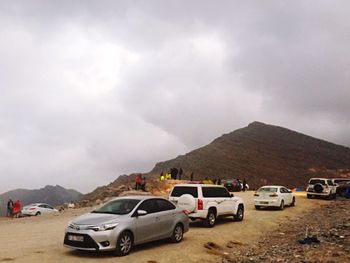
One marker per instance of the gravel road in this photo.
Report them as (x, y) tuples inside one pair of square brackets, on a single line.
[(39, 239)]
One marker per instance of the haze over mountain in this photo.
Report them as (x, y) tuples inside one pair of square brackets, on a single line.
[(53, 195), (261, 153)]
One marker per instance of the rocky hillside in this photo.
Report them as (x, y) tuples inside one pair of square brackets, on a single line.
[(264, 154), (53, 195), (261, 153)]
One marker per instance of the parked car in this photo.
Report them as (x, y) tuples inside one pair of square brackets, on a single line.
[(207, 202), (37, 209), (233, 185), (273, 196), (342, 186), (321, 187), (124, 222)]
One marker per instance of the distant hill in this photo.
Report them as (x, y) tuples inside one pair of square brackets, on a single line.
[(53, 195), (261, 153)]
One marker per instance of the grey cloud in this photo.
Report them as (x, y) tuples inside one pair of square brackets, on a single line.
[(94, 89)]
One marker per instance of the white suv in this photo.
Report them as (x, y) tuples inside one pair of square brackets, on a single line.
[(321, 187), (207, 202)]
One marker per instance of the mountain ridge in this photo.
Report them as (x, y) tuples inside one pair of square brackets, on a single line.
[(53, 195), (245, 153)]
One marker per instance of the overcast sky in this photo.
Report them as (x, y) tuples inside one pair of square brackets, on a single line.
[(90, 90)]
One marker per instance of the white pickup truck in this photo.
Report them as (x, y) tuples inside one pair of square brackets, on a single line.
[(207, 202)]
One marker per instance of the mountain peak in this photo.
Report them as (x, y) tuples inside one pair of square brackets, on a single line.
[(263, 153)]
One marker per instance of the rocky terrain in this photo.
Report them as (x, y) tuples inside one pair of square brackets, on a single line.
[(264, 154), (125, 186), (329, 224)]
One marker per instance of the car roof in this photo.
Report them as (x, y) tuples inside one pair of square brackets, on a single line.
[(137, 197), (277, 186), (203, 185)]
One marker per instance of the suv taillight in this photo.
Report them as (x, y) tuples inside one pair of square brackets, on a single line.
[(200, 204)]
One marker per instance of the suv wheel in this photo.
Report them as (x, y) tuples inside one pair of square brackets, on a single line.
[(178, 234), (240, 214), (308, 196), (124, 244), (257, 207), (318, 188), (211, 218), (282, 205)]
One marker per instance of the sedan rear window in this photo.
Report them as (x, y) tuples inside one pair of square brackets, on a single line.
[(268, 189), (181, 190), (317, 181)]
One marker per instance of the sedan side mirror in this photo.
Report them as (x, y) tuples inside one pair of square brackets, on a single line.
[(141, 213), (232, 195)]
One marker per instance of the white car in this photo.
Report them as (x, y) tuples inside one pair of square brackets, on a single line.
[(321, 187), (273, 196), (37, 209), (207, 202)]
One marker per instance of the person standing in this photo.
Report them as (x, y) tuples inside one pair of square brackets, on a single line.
[(244, 184), (180, 173), (143, 183), (137, 182), (191, 177), (9, 207), (174, 171), (17, 207)]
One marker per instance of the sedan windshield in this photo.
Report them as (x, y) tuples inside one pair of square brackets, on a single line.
[(268, 189), (118, 207)]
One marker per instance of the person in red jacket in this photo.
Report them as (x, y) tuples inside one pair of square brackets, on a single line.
[(16, 210), (137, 182)]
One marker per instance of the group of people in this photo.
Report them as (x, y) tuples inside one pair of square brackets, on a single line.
[(172, 174), (14, 208), (140, 182)]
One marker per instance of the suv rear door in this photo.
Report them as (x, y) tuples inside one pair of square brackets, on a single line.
[(222, 198), (181, 190)]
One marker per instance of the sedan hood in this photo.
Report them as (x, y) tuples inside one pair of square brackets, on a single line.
[(95, 219)]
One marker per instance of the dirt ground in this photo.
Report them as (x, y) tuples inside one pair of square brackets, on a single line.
[(40, 239)]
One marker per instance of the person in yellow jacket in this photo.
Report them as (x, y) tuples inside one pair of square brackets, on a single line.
[(162, 177)]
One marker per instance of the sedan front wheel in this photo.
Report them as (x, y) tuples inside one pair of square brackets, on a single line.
[(124, 244)]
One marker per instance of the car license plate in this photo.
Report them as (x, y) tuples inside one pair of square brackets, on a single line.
[(75, 238), (264, 203)]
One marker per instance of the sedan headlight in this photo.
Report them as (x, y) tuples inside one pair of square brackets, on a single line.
[(108, 226), (104, 227)]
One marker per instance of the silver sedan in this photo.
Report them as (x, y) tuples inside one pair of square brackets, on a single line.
[(124, 222)]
